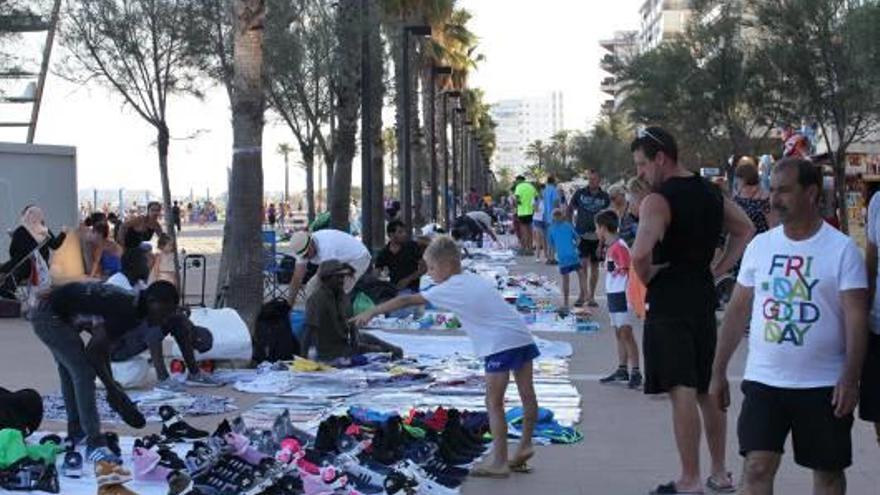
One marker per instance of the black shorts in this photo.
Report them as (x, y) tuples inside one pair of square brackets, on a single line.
[(679, 351), (525, 219), (820, 440), (869, 402), (589, 249)]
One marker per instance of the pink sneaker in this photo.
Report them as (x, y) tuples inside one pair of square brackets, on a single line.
[(241, 447), (146, 466)]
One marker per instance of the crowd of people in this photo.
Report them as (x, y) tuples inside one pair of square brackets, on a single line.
[(805, 301)]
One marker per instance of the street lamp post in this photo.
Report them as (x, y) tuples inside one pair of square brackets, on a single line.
[(447, 203), (404, 138)]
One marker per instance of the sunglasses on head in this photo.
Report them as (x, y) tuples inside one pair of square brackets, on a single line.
[(643, 133)]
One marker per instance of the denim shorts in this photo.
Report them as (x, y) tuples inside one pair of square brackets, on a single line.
[(511, 359)]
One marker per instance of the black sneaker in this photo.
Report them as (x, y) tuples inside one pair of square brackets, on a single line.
[(619, 375), (29, 475), (175, 429), (440, 467), (72, 467), (397, 483), (113, 443), (364, 483), (635, 379)]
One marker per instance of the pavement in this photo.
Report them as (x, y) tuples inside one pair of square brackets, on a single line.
[(628, 445)]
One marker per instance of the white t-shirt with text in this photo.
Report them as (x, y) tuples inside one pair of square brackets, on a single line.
[(797, 337), (492, 324)]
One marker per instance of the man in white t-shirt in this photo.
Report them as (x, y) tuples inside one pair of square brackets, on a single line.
[(806, 286), (328, 244), (869, 403), (499, 337)]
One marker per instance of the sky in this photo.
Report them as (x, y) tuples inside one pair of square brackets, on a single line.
[(530, 48)]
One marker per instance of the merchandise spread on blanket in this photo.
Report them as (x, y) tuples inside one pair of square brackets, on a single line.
[(148, 403)]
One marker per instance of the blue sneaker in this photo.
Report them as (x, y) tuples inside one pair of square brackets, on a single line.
[(99, 454)]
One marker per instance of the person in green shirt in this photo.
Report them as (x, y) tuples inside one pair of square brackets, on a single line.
[(525, 194)]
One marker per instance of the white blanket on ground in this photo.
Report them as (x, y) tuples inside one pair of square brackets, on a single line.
[(444, 346)]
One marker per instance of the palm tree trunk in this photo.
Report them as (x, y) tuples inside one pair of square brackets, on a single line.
[(348, 58), (418, 143), (243, 242), (375, 58), (308, 154)]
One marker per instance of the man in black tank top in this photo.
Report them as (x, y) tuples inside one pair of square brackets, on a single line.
[(679, 227)]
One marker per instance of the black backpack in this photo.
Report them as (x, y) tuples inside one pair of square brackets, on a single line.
[(274, 340)]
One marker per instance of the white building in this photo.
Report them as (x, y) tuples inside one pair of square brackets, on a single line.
[(660, 20), (522, 121), (621, 48)]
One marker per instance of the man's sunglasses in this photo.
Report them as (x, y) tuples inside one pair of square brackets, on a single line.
[(643, 133)]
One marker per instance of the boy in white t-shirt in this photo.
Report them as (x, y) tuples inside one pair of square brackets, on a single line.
[(499, 336), (617, 260)]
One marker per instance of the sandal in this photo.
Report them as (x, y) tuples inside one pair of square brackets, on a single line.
[(671, 489), (726, 486), (522, 467), (488, 472)]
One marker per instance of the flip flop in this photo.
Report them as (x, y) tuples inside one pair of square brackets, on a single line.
[(487, 472), (726, 486), (522, 468), (671, 489)]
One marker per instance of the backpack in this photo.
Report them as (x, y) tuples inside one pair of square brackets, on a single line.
[(273, 339)]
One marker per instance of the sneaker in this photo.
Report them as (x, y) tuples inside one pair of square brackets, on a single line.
[(175, 429), (102, 454), (397, 483), (619, 375), (108, 473), (170, 385), (635, 379), (113, 443), (147, 465), (179, 483), (72, 467), (29, 475), (120, 402), (428, 483), (202, 379)]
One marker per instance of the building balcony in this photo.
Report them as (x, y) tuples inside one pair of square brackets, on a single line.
[(608, 105), (608, 85), (608, 63)]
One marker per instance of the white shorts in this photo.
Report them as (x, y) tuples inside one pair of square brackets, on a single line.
[(622, 319)]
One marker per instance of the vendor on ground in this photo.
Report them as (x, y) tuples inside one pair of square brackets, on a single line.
[(318, 247), (402, 257), (471, 226), (328, 310)]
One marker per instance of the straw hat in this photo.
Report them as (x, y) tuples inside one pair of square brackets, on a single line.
[(300, 242)]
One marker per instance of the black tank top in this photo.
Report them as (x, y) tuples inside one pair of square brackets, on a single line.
[(686, 287)]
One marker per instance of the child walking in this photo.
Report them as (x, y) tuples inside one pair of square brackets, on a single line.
[(564, 240), (617, 261), (499, 336)]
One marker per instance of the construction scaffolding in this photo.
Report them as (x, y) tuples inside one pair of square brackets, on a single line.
[(17, 21)]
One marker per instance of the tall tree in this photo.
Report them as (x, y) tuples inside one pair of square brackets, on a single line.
[(140, 49), (829, 59), (346, 77), (374, 79), (244, 240), (299, 40)]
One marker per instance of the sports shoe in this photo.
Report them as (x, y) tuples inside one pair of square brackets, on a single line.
[(72, 466), (108, 473), (362, 475), (438, 466), (202, 379), (240, 447), (397, 483), (113, 443), (170, 385), (120, 402), (28, 475), (147, 465), (102, 454), (179, 483), (635, 379), (619, 375), (427, 479), (175, 429)]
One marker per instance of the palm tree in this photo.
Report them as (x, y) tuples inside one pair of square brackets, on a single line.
[(536, 151), (243, 244), (347, 87), (389, 146), (285, 149)]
